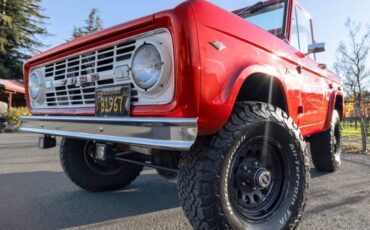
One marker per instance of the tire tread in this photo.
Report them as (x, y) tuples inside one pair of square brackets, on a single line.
[(199, 167), (70, 147), (323, 148)]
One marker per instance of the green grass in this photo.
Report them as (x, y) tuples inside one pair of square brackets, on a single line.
[(351, 138), (348, 131)]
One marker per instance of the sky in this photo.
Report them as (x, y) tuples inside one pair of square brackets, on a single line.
[(328, 16)]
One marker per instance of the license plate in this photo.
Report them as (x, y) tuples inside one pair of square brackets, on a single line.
[(113, 101)]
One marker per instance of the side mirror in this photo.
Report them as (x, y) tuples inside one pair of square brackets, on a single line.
[(316, 48)]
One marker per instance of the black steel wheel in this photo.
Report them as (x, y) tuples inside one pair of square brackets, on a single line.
[(257, 178), (78, 162), (253, 174), (326, 147)]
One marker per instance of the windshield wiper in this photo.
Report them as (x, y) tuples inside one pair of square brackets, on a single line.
[(251, 9), (255, 7)]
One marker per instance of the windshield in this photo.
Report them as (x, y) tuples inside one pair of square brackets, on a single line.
[(269, 17)]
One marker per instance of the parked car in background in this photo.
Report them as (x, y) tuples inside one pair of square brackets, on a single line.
[(223, 101)]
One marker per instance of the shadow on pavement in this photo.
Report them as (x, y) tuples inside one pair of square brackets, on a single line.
[(315, 173), (48, 200), (331, 206)]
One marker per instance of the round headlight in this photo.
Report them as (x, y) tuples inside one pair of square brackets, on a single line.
[(34, 86), (146, 66)]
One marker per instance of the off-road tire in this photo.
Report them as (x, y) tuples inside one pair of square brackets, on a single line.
[(326, 147), (74, 165), (201, 184)]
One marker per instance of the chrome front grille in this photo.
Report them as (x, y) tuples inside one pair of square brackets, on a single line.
[(96, 67), (80, 95), (71, 81)]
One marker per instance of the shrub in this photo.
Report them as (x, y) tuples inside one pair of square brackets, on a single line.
[(12, 117)]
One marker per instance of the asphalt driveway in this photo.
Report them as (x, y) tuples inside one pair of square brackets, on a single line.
[(35, 194)]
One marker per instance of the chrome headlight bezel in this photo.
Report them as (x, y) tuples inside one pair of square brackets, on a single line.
[(37, 84), (165, 61)]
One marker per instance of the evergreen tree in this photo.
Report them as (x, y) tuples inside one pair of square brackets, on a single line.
[(78, 32), (21, 25), (93, 24)]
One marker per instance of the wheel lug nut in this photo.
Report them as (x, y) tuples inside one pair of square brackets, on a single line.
[(254, 188), (245, 167), (256, 163), (244, 184)]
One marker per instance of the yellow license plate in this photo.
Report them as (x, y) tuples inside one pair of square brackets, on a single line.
[(113, 101)]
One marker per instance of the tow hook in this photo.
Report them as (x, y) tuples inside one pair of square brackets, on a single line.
[(47, 142)]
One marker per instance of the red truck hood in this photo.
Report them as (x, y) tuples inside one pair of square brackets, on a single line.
[(94, 37)]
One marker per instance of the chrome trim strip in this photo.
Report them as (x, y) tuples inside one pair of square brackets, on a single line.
[(158, 133)]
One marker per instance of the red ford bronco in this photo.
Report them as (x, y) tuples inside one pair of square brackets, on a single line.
[(224, 102)]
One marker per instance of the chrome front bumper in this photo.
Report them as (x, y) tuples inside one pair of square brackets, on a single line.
[(157, 133)]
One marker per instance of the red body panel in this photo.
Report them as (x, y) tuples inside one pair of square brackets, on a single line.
[(185, 103), (208, 80)]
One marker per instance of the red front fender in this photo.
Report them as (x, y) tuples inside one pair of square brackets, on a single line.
[(333, 97), (218, 97)]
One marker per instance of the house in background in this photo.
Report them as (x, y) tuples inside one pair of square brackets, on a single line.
[(12, 94), (350, 111)]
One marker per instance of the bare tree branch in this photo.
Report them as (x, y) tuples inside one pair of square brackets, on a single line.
[(352, 64)]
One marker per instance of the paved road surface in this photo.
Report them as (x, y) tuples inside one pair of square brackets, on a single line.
[(35, 194)]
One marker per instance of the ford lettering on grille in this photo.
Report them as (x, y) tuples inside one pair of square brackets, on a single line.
[(73, 81)]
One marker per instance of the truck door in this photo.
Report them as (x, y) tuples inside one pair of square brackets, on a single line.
[(312, 83)]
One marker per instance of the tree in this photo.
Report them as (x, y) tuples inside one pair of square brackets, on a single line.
[(93, 24), (21, 27), (352, 60)]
